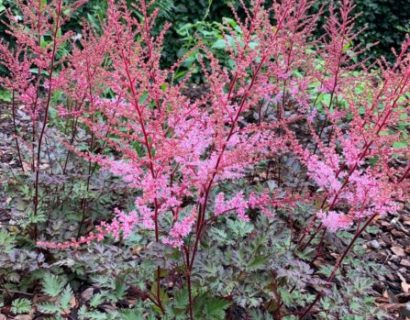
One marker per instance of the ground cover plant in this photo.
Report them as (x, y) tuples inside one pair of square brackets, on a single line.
[(135, 195)]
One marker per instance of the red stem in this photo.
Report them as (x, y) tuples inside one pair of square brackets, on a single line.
[(398, 92), (201, 215), (339, 263), (47, 106), (148, 146), (13, 108)]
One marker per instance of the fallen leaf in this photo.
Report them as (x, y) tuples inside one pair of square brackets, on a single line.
[(87, 294), (23, 317), (405, 262), (404, 285), (398, 251), (26, 166)]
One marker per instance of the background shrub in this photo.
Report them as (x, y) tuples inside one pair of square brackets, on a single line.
[(386, 21)]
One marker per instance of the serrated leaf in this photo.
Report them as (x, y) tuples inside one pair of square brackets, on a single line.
[(132, 315), (285, 296), (218, 234), (257, 314), (120, 288), (257, 262), (216, 306), (96, 300), (6, 241), (181, 299), (91, 315), (53, 285), (49, 308), (21, 305), (66, 298), (162, 293), (240, 228)]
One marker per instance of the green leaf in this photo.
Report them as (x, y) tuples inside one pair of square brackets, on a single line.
[(326, 270), (21, 305), (49, 308), (257, 314), (285, 296), (400, 144), (120, 288), (239, 228), (181, 299), (43, 42), (93, 315), (132, 315), (215, 308), (53, 285), (207, 307), (373, 161), (219, 44), (162, 293), (66, 297), (96, 300), (143, 98), (36, 218), (257, 262), (5, 95), (218, 234), (6, 241), (67, 11)]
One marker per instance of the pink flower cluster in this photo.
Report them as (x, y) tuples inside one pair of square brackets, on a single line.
[(180, 230), (175, 152), (236, 204), (323, 174), (334, 221), (122, 224)]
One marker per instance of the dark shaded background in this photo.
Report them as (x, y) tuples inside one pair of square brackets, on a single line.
[(386, 20)]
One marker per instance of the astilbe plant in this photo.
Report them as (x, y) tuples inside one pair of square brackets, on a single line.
[(32, 63), (178, 154)]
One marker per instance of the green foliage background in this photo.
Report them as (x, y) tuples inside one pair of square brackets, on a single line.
[(386, 21)]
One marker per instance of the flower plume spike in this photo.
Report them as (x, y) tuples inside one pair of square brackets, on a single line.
[(171, 148)]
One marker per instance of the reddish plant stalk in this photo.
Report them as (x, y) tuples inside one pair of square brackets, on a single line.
[(13, 110), (151, 162), (46, 111), (339, 263), (398, 92), (201, 216)]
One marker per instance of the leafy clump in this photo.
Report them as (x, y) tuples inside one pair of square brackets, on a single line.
[(21, 306), (217, 205)]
